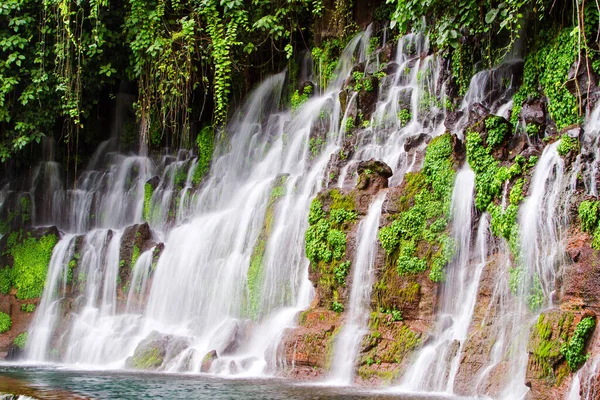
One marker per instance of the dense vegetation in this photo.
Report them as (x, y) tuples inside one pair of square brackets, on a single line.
[(65, 61)]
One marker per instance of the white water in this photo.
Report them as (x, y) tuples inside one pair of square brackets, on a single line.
[(540, 221), (199, 294), (348, 341), (436, 365)]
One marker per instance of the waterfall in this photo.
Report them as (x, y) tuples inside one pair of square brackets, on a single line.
[(233, 274), (541, 252), (348, 340), (437, 363)]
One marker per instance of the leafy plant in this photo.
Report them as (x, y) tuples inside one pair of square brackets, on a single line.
[(337, 307), (573, 351), (5, 322), (21, 341)]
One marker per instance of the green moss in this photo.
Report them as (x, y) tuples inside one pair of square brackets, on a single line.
[(205, 142), (148, 190), (21, 341), (547, 337), (31, 258), (5, 322), (341, 201), (147, 359)]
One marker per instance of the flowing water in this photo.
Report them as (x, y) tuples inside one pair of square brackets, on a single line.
[(357, 317), (232, 275), (436, 365), (202, 294)]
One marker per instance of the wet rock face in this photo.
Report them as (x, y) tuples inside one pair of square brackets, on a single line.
[(581, 282), (208, 360), (373, 175), (156, 351)]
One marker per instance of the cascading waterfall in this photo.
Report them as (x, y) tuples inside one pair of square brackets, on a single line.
[(232, 274), (407, 109), (541, 249), (436, 364), (348, 340), (256, 196)]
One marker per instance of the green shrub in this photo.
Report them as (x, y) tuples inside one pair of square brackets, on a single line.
[(573, 351), (337, 307), (21, 340), (29, 308), (5, 322), (31, 258), (567, 144)]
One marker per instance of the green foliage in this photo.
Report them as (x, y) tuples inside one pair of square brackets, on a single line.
[(415, 238), (341, 271), (446, 20), (588, 215), (590, 221), (547, 67), (567, 144), (362, 82), (463, 67), (31, 258), (322, 240), (573, 351), (5, 322), (497, 130), (300, 97), (404, 117), (489, 175), (29, 308), (135, 255), (337, 307), (21, 341)]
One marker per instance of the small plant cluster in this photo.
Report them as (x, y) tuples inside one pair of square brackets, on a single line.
[(404, 117), (573, 351), (28, 308), (567, 144), (337, 307), (419, 228), (490, 176), (325, 239), (589, 217), (300, 97), (5, 322), (31, 258), (21, 340), (362, 82), (395, 314)]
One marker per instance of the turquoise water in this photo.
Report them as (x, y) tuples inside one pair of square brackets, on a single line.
[(54, 383)]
